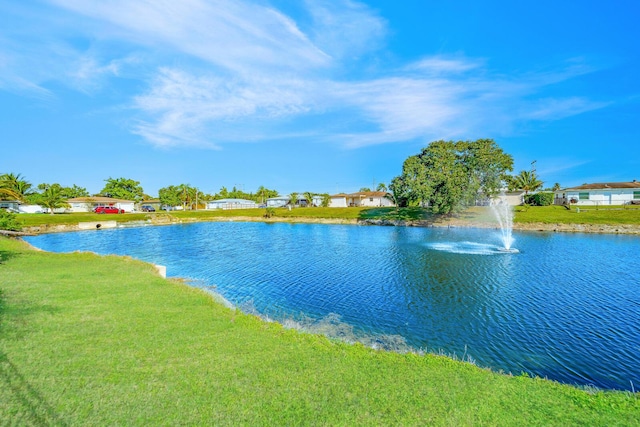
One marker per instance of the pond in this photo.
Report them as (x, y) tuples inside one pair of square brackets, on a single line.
[(565, 307)]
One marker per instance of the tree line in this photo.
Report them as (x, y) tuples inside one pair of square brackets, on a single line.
[(53, 196), (446, 176)]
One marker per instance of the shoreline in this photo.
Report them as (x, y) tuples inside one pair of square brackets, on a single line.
[(627, 229)]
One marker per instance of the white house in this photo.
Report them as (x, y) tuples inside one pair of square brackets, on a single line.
[(10, 205), (277, 202), (35, 209), (282, 201), (607, 193), (231, 204), (361, 198), (87, 204), (19, 207)]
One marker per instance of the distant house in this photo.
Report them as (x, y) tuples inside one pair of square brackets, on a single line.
[(361, 198), (282, 201), (513, 198), (19, 207), (231, 204), (277, 202), (10, 205), (606, 193), (87, 204), (28, 208)]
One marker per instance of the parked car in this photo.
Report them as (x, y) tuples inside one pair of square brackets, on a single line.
[(147, 208), (108, 210)]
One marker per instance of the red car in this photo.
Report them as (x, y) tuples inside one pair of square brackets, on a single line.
[(108, 210)]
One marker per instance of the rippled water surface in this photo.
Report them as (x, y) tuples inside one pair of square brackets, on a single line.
[(566, 307)]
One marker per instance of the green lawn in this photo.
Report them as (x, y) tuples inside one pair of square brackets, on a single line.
[(612, 215), (90, 340), (548, 214)]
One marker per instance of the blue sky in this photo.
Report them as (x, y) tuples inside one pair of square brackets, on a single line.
[(313, 95)]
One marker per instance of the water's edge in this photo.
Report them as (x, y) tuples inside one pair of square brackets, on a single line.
[(449, 222)]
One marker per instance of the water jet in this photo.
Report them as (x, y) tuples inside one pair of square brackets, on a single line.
[(503, 212)]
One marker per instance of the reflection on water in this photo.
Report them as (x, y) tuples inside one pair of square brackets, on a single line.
[(471, 248), (566, 307)]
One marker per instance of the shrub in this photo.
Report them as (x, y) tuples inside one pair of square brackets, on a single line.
[(269, 212), (539, 199), (8, 221)]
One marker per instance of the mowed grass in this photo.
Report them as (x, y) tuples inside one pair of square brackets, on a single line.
[(612, 215), (91, 340), (314, 212)]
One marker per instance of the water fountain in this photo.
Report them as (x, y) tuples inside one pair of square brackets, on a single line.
[(504, 215)]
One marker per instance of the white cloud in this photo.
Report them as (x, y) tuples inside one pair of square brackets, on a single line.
[(344, 28), (444, 65), (220, 71), (554, 109), (235, 35), (182, 103)]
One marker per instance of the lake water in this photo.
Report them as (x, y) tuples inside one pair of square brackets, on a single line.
[(567, 307)]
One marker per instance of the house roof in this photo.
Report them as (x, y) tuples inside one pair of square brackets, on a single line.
[(606, 186), (362, 194), (232, 201), (97, 199)]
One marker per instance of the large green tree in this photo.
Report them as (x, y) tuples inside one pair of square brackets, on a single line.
[(74, 191), (449, 175), (123, 188), (181, 195), (263, 193), (66, 192), (170, 196)]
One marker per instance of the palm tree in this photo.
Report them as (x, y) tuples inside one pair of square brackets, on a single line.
[(262, 193), (7, 193), (186, 193), (52, 198), (382, 187), (293, 199), (527, 181), (309, 196), (14, 186)]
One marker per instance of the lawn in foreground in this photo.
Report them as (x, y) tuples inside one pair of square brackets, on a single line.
[(90, 340)]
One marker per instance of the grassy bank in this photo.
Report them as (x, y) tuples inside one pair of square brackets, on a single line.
[(610, 215), (89, 340), (614, 215)]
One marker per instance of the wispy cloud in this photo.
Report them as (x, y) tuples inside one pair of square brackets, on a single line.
[(345, 29), (554, 109), (221, 71)]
